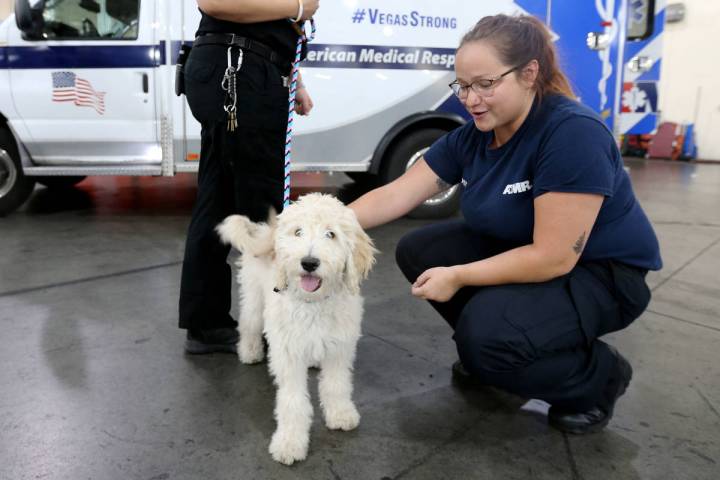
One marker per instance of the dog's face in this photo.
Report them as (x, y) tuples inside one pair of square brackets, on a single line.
[(320, 248)]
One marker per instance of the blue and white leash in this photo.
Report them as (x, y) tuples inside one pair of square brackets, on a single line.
[(291, 107)]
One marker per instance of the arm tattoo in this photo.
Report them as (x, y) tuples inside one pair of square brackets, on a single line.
[(442, 185), (579, 244)]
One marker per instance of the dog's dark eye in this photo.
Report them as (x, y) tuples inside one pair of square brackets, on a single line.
[(330, 234), (298, 232)]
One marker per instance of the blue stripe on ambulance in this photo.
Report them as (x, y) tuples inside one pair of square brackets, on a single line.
[(651, 75), (378, 57), (647, 124), (83, 56)]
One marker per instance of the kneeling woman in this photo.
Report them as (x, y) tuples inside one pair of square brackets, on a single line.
[(553, 249)]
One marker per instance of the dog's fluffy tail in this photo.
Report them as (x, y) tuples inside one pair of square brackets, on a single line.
[(248, 237)]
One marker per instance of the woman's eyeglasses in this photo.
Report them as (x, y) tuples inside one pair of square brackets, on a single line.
[(483, 87)]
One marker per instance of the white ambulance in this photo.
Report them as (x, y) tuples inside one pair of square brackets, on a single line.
[(87, 86)]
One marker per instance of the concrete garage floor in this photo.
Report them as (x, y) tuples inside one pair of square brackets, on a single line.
[(94, 384)]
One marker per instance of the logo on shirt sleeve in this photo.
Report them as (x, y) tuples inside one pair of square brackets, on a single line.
[(518, 187)]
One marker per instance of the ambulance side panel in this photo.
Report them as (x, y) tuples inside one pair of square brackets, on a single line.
[(371, 67), (8, 113), (84, 100)]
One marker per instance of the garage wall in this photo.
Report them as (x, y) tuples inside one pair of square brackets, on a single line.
[(690, 74), (6, 6)]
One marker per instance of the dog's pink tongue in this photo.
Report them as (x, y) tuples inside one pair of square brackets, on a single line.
[(309, 283)]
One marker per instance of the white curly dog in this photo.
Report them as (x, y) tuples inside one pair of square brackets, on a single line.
[(299, 281)]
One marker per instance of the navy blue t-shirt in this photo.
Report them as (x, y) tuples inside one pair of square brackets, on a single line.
[(562, 146)]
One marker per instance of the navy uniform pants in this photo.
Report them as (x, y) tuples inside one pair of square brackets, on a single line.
[(537, 340), (240, 172)]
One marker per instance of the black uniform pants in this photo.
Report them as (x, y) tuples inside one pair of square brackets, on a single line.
[(240, 172), (538, 340)]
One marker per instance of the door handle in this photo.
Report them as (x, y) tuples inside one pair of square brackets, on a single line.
[(598, 40), (640, 63), (145, 83)]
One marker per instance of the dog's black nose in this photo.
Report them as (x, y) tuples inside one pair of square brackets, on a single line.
[(310, 264)]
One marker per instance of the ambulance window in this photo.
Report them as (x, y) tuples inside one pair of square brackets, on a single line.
[(91, 19), (640, 19)]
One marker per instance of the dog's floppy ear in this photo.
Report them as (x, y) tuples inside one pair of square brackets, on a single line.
[(363, 258)]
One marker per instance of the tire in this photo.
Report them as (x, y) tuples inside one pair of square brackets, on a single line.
[(403, 155), (362, 177), (58, 182), (15, 187)]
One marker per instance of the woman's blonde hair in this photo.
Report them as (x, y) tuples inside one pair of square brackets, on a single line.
[(519, 40)]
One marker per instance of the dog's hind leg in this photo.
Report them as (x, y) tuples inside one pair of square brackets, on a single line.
[(293, 410), (335, 388), (252, 303)]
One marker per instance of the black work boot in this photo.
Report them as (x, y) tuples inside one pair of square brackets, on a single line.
[(217, 340), (596, 418)]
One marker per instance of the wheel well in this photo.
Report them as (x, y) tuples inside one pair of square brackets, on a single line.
[(4, 125), (412, 124), (19, 148)]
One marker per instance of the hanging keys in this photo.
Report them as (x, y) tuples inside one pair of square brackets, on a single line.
[(229, 84), (232, 121)]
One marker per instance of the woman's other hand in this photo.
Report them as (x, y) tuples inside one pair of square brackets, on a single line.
[(439, 284), (303, 102)]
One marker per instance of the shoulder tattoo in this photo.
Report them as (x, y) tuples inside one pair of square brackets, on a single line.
[(579, 244)]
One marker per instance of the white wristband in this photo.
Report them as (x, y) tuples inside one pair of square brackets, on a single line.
[(300, 12)]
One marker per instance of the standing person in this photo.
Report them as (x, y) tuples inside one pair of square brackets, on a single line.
[(236, 84), (553, 248)]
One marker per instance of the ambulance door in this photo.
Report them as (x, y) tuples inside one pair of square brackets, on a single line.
[(191, 147), (588, 45), (638, 98), (84, 84)]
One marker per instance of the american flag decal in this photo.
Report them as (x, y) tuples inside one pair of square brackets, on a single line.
[(68, 87)]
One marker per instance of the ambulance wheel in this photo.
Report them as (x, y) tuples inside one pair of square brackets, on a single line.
[(403, 155), (58, 183), (15, 187), (362, 177)]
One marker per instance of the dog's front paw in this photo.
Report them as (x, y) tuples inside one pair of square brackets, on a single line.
[(251, 350), (342, 418), (288, 449)]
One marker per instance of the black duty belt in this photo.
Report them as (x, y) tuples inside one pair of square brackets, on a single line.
[(245, 43)]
